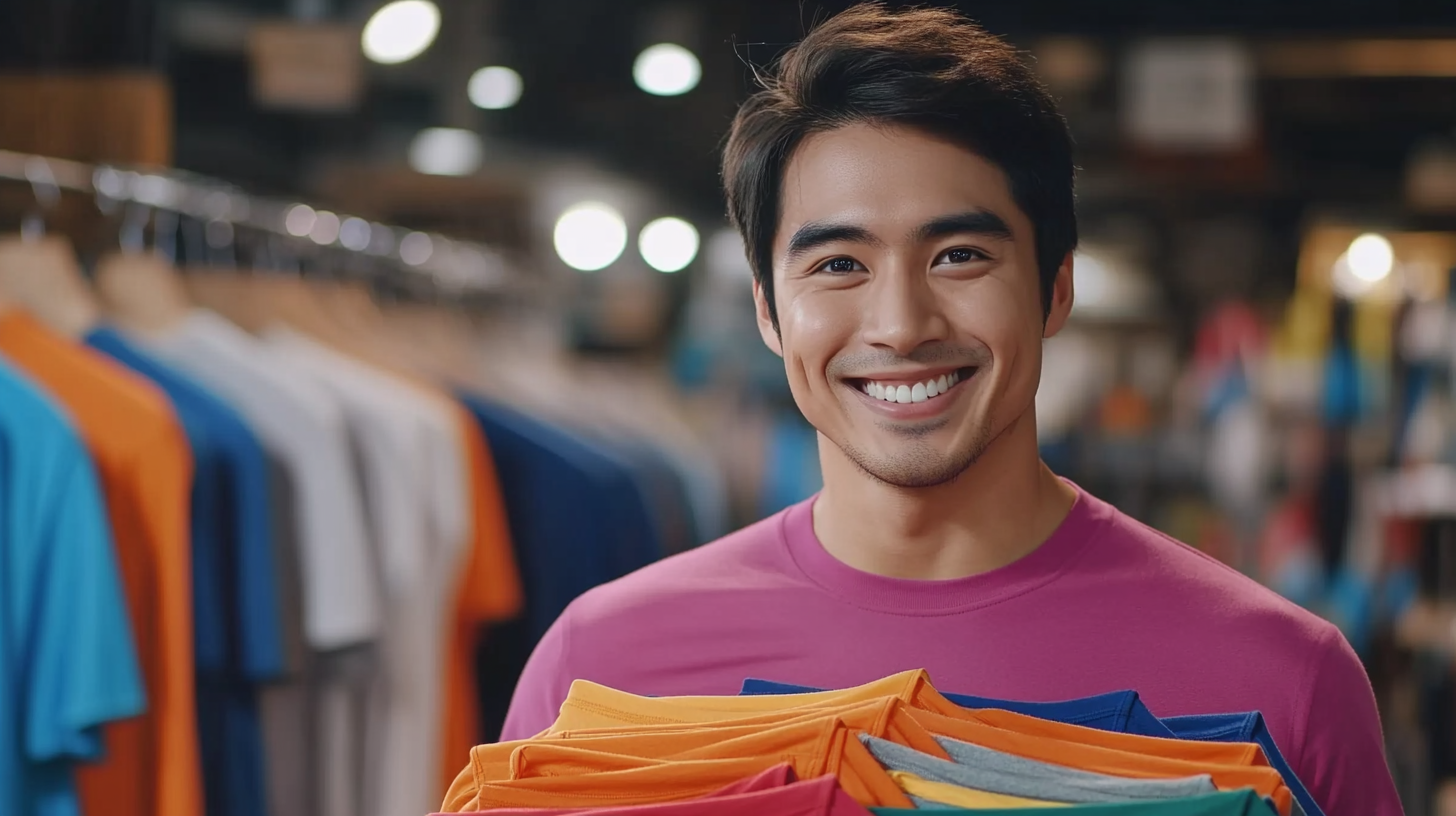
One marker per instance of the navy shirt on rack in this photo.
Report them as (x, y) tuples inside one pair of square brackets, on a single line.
[(237, 630), (578, 517)]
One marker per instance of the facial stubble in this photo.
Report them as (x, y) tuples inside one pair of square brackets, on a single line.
[(921, 464)]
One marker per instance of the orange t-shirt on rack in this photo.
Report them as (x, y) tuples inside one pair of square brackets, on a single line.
[(489, 590), (151, 766), (1104, 760)]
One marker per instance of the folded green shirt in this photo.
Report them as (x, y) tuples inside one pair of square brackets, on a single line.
[(1232, 803)]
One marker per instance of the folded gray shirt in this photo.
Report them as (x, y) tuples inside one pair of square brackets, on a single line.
[(984, 769)]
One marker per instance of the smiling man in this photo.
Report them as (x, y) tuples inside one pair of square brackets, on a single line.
[(904, 188)]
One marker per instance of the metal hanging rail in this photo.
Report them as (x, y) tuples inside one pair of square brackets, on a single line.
[(461, 266)]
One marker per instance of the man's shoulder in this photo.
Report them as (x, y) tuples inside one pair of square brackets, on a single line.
[(1150, 562)]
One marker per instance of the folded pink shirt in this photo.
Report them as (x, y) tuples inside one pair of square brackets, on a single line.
[(765, 793)]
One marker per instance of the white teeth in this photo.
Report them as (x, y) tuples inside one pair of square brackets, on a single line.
[(919, 392)]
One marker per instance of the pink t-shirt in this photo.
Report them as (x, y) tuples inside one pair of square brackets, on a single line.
[(1103, 605)]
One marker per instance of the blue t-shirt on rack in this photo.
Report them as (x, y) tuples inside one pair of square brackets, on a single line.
[(237, 629), (1123, 712), (70, 663)]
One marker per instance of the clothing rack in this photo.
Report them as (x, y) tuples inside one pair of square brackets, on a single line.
[(454, 266)]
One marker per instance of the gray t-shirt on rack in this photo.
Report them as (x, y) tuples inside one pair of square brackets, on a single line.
[(984, 769)]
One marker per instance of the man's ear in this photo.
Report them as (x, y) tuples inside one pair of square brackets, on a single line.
[(766, 328), (1062, 299)]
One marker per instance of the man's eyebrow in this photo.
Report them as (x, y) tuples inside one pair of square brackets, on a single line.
[(971, 222), (815, 234)]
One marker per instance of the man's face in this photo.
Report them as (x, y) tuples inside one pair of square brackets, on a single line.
[(909, 309)]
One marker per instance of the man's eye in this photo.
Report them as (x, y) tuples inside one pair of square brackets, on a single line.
[(840, 266), (961, 255)]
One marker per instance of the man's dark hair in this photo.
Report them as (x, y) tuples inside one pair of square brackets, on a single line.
[(930, 69)]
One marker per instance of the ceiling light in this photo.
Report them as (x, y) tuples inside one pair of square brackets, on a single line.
[(494, 87), (668, 244), (590, 236), (300, 220), (446, 152), (325, 228), (401, 31), (354, 234), (666, 70), (1371, 257), (416, 248)]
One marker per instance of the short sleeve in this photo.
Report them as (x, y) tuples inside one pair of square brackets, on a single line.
[(161, 483), (258, 621), (84, 670), (1341, 753), (492, 582)]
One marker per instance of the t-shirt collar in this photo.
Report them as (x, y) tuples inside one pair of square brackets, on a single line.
[(1073, 538)]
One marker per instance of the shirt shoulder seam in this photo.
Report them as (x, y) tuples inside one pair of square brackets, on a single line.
[(1306, 696)]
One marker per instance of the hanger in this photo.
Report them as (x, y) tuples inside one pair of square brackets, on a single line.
[(142, 290), (39, 272), (239, 295)]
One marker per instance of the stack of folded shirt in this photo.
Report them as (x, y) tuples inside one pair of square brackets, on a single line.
[(894, 745)]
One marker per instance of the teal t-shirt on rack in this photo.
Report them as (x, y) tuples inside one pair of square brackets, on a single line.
[(69, 662)]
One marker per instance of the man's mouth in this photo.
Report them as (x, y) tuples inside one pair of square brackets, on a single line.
[(907, 391)]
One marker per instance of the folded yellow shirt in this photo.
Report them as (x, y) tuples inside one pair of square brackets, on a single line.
[(957, 796), (592, 706)]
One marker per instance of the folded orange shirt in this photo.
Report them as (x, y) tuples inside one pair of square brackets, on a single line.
[(779, 776), (1212, 753), (660, 782), (886, 718), (836, 752), (1100, 759), (589, 705), (820, 747)]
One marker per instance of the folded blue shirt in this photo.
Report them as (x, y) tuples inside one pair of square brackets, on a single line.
[(1119, 711), (1248, 726), (1122, 712)]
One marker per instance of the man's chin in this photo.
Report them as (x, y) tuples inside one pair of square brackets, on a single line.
[(929, 467)]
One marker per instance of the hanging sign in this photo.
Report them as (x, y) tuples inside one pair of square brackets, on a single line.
[(1189, 94), (310, 66)]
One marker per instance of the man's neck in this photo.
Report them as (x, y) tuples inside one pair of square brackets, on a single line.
[(999, 510)]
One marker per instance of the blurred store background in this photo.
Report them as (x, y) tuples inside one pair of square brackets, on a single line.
[(522, 196)]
